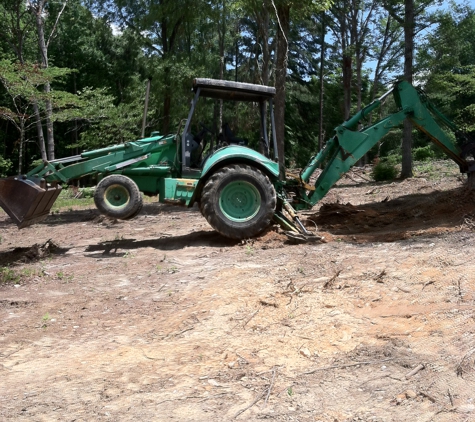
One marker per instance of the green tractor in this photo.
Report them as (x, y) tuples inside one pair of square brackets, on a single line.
[(232, 183), (239, 191)]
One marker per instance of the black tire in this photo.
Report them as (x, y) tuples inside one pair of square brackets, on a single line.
[(136, 212), (238, 201), (118, 196)]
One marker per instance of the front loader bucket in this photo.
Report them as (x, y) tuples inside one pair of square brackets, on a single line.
[(27, 200)]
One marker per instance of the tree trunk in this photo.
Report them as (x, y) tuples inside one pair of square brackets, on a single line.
[(471, 181), (408, 59), (283, 14), (39, 129), (39, 11), (167, 102), (49, 125), (262, 19), (221, 39), (22, 143), (321, 82)]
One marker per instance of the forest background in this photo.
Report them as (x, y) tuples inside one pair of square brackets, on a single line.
[(74, 73)]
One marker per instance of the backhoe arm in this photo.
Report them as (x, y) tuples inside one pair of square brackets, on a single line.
[(348, 146)]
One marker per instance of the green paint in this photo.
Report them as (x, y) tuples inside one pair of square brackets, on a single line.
[(116, 196), (234, 154), (240, 201)]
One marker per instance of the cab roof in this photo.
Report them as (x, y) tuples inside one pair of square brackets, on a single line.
[(233, 91)]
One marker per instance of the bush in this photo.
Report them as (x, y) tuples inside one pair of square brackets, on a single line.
[(5, 166), (393, 159), (384, 171), (423, 153), (87, 192)]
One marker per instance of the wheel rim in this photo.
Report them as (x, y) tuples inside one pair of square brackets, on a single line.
[(240, 201), (116, 197)]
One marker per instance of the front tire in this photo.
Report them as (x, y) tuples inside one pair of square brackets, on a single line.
[(118, 196), (238, 201)]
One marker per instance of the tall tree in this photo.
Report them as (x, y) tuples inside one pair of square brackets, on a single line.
[(39, 10), (386, 48), (282, 11), (21, 81), (412, 16), (161, 25)]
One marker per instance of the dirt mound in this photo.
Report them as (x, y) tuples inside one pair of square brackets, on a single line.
[(394, 219), (34, 253), (270, 239)]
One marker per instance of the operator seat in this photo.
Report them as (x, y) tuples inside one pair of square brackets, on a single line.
[(229, 137)]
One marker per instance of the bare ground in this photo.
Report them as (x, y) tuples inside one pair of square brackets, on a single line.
[(160, 318)]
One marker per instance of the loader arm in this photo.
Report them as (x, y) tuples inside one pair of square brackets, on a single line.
[(27, 199), (349, 145), (105, 160)]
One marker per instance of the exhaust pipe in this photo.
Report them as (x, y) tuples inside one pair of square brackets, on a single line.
[(27, 200)]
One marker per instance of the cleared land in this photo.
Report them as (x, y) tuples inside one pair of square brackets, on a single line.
[(160, 318)]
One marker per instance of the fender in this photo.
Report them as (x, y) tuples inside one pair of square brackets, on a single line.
[(239, 154), (234, 154)]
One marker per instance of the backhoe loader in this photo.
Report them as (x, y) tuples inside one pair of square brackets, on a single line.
[(239, 191)]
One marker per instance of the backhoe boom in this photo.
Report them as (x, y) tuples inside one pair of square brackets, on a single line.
[(348, 145)]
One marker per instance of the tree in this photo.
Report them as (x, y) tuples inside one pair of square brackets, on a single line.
[(39, 9), (17, 14), (411, 15), (385, 48), (22, 82), (282, 11), (161, 27)]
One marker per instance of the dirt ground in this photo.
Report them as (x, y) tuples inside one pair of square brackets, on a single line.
[(160, 318)]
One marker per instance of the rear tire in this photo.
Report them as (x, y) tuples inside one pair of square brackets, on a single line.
[(238, 201), (118, 196)]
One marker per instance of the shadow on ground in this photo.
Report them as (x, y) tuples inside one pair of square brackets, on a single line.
[(195, 239)]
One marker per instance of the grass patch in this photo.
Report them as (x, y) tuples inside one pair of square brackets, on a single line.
[(7, 275)]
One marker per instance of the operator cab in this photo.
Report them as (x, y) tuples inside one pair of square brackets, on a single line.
[(199, 139)]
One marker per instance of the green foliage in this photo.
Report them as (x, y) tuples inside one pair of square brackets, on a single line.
[(384, 171), (98, 71), (448, 59), (393, 158), (87, 192), (5, 166), (423, 153), (7, 275), (105, 123)]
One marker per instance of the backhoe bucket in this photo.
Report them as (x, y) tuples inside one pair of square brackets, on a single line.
[(27, 200)]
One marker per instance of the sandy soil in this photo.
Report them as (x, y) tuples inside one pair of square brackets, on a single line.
[(160, 318)]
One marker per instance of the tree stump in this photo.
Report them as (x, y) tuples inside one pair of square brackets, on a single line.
[(471, 181)]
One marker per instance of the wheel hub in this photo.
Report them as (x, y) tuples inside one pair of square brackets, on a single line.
[(240, 201), (116, 196)]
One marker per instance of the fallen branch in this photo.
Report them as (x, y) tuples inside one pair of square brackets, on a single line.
[(243, 358), (325, 368), (427, 396), (252, 316), (271, 385), (415, 371), (379, 278), (259, 397), (329, 282), (265, 303), (450, 397), (427, 284), (194, 397), (179, 333)]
